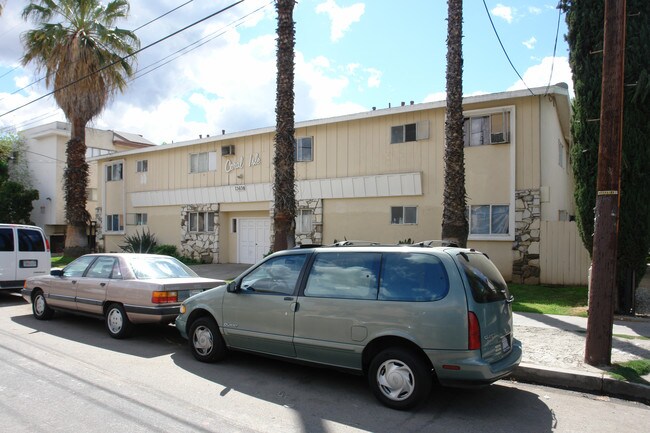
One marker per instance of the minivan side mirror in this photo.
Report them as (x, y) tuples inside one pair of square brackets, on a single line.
[(56, 272), (232, 287)]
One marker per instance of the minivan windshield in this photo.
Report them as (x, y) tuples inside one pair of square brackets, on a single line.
[(484, 278)]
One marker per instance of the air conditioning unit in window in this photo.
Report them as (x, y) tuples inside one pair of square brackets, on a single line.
[(228, 150), (498, 138)]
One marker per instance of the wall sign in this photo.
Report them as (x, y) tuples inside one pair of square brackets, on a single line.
[(231, 165)]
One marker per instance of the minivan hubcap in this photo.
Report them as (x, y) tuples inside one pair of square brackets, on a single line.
[(115, 320), (202, 340), (395, 379)]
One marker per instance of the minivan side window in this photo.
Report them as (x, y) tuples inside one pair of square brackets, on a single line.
[(30, 240), (412, 277), (344, 275), (277, 276), (484, 278), (6, 240)]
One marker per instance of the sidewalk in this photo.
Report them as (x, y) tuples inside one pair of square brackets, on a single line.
[(554, 347)]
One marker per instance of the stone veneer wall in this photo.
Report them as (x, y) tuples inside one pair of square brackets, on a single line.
[(202, 246), (316, 235), (525, 265), (99, 233)]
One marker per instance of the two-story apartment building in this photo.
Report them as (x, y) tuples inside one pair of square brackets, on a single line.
[(375, 176), (46, 156)]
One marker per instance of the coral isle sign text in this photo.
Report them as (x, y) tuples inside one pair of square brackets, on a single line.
[(231, 165)]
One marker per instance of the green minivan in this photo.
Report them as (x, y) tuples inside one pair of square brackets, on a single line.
[(407, 317)]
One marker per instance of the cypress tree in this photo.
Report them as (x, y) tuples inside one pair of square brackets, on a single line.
[(585, 20)]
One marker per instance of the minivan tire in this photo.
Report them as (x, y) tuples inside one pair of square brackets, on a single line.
[(41, 310), (205, 340), (399, 378), (117, 323)]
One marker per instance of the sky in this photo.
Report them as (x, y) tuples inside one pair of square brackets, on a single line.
[(350, 56)]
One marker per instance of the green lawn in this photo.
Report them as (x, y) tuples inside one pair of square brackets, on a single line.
[(60, 261), (566, 301)]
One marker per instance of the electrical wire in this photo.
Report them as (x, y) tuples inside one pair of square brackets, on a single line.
[(65, 86), (557, 32), (503, 48), (46, 76)]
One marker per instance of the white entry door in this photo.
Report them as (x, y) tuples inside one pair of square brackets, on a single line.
[(254, 242)]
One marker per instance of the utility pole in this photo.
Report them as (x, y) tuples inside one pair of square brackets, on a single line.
[(598, 350)]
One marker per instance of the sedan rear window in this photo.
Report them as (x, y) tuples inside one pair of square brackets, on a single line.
[(484, 278), (147, 268)]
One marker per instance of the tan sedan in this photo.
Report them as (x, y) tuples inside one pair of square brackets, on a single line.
[(125, 289)]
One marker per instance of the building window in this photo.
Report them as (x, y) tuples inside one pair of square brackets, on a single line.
[(94, 151), (142, 166), (304, 221), (201, 221), (141, 219), (409, 132), (114, 223), (91, 194), (304, 149), (202, 162), (114, 172), (404, 215), (489, 219), (488, 129)]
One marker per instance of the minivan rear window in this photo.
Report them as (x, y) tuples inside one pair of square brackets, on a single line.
[(6, 240), (30, 240), (484, 278), (412, 277)]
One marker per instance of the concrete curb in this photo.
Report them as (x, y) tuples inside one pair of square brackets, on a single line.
[(595, 383)]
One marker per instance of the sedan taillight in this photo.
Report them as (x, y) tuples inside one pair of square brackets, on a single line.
[(164, 297)]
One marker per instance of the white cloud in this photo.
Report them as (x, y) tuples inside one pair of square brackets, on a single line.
[(533, 10), (538, 75), (341, 17), (530, 43), (374, 78), (435, 97), (505, 12)]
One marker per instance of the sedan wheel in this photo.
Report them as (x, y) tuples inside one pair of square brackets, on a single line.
[(41, 310), (205, 340), (117, 323), (399, 378)]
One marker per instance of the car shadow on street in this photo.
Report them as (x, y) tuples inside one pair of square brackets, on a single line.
[(320, 396), (8, 299), (147, 341)]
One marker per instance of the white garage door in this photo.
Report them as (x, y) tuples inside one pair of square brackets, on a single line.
[(254, 239)]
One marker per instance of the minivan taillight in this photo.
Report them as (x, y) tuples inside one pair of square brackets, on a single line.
[(474, 331), (47, 244)]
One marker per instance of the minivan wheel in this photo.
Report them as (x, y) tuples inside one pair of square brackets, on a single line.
[(399, 378), (41, 310), (205, 340), (117, 323)]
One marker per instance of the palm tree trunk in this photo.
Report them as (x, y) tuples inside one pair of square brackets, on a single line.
[(75, 187), (284, 182), (454, 223)]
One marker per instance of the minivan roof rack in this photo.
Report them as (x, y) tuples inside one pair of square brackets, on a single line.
[(434, 243), (347, 243)]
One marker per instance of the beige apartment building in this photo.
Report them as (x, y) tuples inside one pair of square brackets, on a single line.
[(46, 156), (374, 176)]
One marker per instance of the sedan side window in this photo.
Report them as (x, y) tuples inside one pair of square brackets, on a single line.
[(276, 276), (77, 268), (102, 268)]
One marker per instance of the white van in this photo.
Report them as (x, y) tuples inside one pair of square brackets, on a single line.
[(24, 252)]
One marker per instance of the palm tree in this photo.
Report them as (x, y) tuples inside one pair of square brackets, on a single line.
[(86, 60), (454, 222), (284, 182)]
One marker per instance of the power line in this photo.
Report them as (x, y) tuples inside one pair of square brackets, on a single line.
[(46, 76), (124, 58), (503, 48), (557, 32)]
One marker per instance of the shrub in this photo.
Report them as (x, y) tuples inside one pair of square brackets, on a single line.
[(142, 243)]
